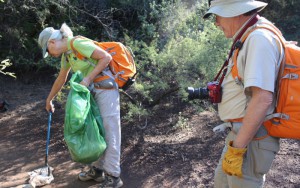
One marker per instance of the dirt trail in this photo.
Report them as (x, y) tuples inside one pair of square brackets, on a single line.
[(159, 155)]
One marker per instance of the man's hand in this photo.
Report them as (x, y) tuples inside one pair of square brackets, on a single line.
[(222, 127), (233, 161)]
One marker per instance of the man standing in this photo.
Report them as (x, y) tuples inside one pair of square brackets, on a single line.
[(249, 151)]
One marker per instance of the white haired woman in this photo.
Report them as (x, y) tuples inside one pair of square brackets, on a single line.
[(56, 43)]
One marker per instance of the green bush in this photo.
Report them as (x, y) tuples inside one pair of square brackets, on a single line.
[(174, 47), (185, 50)]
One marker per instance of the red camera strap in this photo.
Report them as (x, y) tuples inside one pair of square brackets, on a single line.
[(235, 44)]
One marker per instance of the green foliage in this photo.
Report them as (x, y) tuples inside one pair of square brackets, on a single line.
[(182, 123), (286, 16), (21, 21), (136, 111), (62, 95), (174, 47), (181, 50), (188, 55)]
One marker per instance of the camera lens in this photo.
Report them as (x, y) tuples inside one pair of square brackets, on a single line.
[(197, 93), (191, 92)]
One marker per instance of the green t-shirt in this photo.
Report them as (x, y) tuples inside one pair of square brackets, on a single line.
[(85, 47)]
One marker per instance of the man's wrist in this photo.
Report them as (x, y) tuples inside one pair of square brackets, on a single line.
[(238, 145)]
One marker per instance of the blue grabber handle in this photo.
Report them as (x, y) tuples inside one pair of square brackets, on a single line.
[(48, 140)]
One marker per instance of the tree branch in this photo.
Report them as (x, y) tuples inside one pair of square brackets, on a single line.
[(166, 93)]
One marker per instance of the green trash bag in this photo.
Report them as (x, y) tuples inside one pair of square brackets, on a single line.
[(84, 132)]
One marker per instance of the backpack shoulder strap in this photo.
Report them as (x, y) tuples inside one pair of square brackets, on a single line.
[(270, 27), (76, 52)]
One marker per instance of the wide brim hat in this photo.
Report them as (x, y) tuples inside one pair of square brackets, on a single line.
[(232, 8)]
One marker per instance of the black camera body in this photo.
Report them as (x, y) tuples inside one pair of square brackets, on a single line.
[(213, 92), (129, 82)]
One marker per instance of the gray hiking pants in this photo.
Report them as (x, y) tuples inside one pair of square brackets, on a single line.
[(257, 162)]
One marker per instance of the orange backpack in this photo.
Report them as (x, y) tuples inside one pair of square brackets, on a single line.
[(285, 121), (122, 64)]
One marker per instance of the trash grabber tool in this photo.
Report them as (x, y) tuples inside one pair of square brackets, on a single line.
[(48, 140)]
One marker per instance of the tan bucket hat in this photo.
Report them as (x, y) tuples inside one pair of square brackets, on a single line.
[(47, 34), (232, 8)]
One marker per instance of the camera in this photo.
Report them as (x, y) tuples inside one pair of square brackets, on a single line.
[(129, 82), (212, 91)]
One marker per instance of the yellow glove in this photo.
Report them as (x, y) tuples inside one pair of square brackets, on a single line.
[(233, 160)]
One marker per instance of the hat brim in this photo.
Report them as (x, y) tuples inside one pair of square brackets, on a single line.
[(45, 53), (234, 9)]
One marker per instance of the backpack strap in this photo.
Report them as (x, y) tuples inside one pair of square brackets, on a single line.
[(223, 71), (100, 77), (77, 54), (270, 27)]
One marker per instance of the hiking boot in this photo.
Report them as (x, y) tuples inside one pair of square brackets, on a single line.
[(93, 174), (111, 182)]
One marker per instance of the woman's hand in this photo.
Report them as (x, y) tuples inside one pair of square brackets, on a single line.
[(85, 81), (58, 84), (50, 106)]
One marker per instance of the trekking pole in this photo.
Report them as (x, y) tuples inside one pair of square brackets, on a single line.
[(47, 143)]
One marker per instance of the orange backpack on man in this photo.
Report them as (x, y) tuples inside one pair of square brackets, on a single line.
[(285, 121), (122, 64)]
